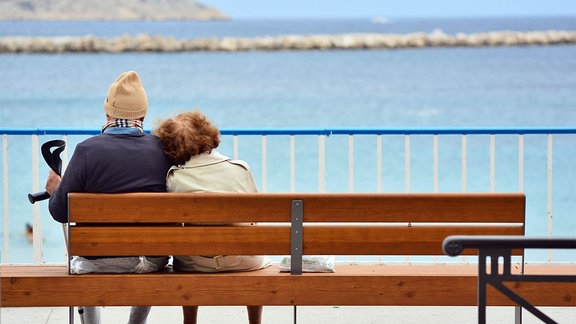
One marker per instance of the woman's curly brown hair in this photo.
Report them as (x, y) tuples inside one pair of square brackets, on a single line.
[(187, 134)]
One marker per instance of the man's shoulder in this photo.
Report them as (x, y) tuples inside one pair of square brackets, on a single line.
[(88, 142), (105, 141), (107, 137)]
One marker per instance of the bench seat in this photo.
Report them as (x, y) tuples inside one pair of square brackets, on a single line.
[(350, 285)]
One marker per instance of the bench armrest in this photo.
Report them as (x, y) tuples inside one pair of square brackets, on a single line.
[(454, 245)]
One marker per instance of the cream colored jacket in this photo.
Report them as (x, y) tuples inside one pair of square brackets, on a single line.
[(214, 172), (211, 172)]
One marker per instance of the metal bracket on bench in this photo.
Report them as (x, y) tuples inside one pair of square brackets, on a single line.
[(297, 212)]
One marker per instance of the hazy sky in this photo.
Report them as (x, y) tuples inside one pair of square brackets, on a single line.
[(391, 8)]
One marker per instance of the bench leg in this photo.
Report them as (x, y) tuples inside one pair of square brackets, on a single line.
[(295, 314), (481, 303), (517, 315), (190, 314), (482, 288), (254, 314), (71, 314)]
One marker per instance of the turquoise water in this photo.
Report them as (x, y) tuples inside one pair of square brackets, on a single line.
[(532, 86), (440, 87), (277, 27)]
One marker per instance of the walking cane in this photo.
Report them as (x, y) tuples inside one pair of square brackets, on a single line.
[(52, 158)]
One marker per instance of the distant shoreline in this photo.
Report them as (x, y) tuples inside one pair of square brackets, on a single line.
[(107, 10), (149, 43)]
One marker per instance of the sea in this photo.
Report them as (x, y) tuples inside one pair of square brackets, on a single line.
[(525, 86)]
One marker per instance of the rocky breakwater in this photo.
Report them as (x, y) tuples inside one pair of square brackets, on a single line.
[(149, 43)]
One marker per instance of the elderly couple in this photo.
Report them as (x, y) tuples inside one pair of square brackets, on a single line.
[(179, 157)]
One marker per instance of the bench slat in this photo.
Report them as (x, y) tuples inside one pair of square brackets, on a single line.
[(349, 286), (318, 207), (345, 239)]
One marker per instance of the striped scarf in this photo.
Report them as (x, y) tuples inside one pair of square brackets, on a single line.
[(123, 123)]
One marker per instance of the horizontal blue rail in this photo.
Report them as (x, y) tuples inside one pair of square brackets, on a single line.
[(324, 131)]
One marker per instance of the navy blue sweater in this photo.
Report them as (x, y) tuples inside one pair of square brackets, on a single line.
[(111, 163)]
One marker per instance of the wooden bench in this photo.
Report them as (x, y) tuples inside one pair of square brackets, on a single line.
[(361, 224)]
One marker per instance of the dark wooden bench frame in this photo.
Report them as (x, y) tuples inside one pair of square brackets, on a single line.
[(402, 224), (495, 249)]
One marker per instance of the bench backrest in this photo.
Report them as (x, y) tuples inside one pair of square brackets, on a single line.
[(330, 223)]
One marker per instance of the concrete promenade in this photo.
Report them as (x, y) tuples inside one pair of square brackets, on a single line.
[(284, 315)]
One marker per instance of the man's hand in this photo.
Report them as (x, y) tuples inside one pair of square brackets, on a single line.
[(52, 182)]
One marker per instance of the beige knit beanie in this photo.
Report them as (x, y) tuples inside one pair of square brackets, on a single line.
[(126, 97)]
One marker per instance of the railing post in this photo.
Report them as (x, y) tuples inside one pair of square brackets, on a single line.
[(435, 158), (37, 226), (5, 186), (379, 163), (492, 163), (521, 163), (292, 163), (321, 163), (350, 163), (236, 147), (264, 165), (549, 191), (464, 161), (407, 162)]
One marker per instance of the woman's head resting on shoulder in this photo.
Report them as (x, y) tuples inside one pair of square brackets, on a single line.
[(186, 135)]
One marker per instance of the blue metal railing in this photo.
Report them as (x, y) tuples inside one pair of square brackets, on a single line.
[(351, 159), (326, 131)]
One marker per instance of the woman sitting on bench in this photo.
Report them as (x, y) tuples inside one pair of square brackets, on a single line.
[(189, 140)]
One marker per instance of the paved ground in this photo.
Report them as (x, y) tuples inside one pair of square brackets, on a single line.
[(284, 315)]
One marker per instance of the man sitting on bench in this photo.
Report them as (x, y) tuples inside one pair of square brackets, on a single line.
[(122, 159)]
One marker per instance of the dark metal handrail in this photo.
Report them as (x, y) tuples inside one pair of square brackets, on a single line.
[(498, 248), (454, 245)]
